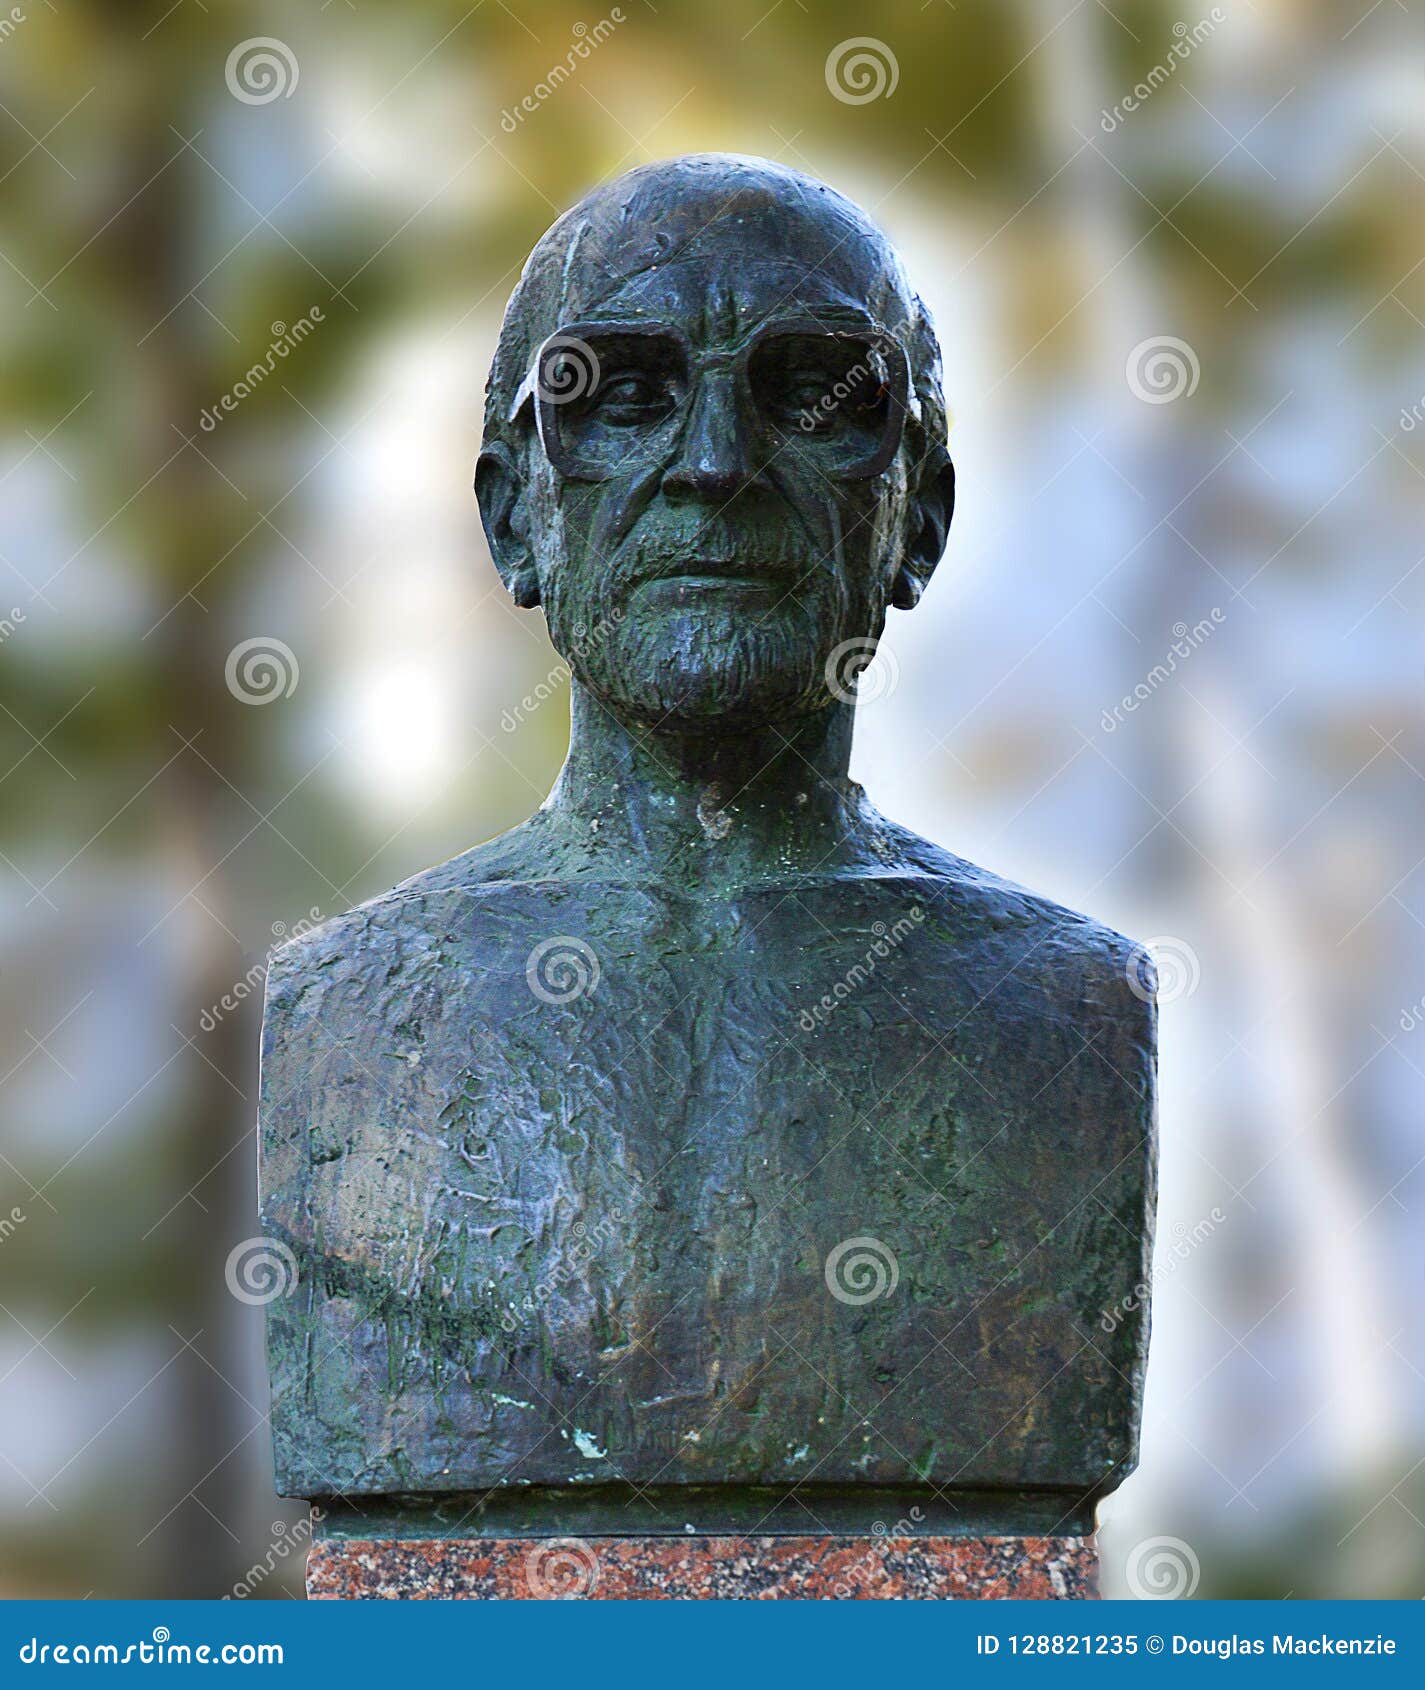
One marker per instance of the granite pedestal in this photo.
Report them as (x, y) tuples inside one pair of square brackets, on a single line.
[(702, 1568)]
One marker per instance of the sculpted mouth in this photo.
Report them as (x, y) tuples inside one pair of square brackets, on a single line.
[(701, 581), (700, 576)]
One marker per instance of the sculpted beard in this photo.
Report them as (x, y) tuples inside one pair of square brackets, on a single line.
[(727, 655)]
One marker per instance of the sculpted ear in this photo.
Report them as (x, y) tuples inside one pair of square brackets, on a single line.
[(500, 490), (927, 522)]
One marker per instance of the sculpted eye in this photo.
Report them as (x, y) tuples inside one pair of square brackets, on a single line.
[(628, 398), (819, 384), (801, 391)]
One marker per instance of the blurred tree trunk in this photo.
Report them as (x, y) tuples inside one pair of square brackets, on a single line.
[(151, 255)]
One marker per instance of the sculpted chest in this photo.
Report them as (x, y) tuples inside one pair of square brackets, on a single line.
[(815, 1187)]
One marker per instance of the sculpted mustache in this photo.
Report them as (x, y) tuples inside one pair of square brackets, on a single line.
[(656, 551)]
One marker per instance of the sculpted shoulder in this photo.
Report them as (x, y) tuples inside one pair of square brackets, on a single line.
[(512, 879), (385, 923), (1042, 928)]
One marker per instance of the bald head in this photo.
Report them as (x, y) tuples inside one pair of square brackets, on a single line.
[(714, 435), (680, 233)]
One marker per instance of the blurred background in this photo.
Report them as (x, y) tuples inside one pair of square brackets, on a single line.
[(255, 665)]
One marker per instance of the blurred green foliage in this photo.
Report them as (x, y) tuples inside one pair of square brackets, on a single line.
[(153, 828)]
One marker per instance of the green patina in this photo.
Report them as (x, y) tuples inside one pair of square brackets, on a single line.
[(711, 1142)]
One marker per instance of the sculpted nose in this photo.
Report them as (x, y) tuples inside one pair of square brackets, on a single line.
[(713, 455)]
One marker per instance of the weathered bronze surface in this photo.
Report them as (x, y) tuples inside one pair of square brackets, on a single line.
[(710, 1150)]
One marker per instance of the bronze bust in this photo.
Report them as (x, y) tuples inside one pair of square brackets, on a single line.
[(711, 1151)]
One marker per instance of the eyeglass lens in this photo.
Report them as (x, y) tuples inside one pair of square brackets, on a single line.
[(612, 400)]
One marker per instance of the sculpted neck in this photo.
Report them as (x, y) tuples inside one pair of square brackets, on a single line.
[(722, 806)]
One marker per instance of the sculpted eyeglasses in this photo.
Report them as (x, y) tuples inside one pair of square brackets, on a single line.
[(614, 398)]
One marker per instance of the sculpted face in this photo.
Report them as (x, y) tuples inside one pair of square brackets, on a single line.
[(714, 472)]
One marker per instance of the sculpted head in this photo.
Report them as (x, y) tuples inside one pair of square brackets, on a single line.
[(714, 442)]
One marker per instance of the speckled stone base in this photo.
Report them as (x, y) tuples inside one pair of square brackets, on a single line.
[(705, 1568)]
